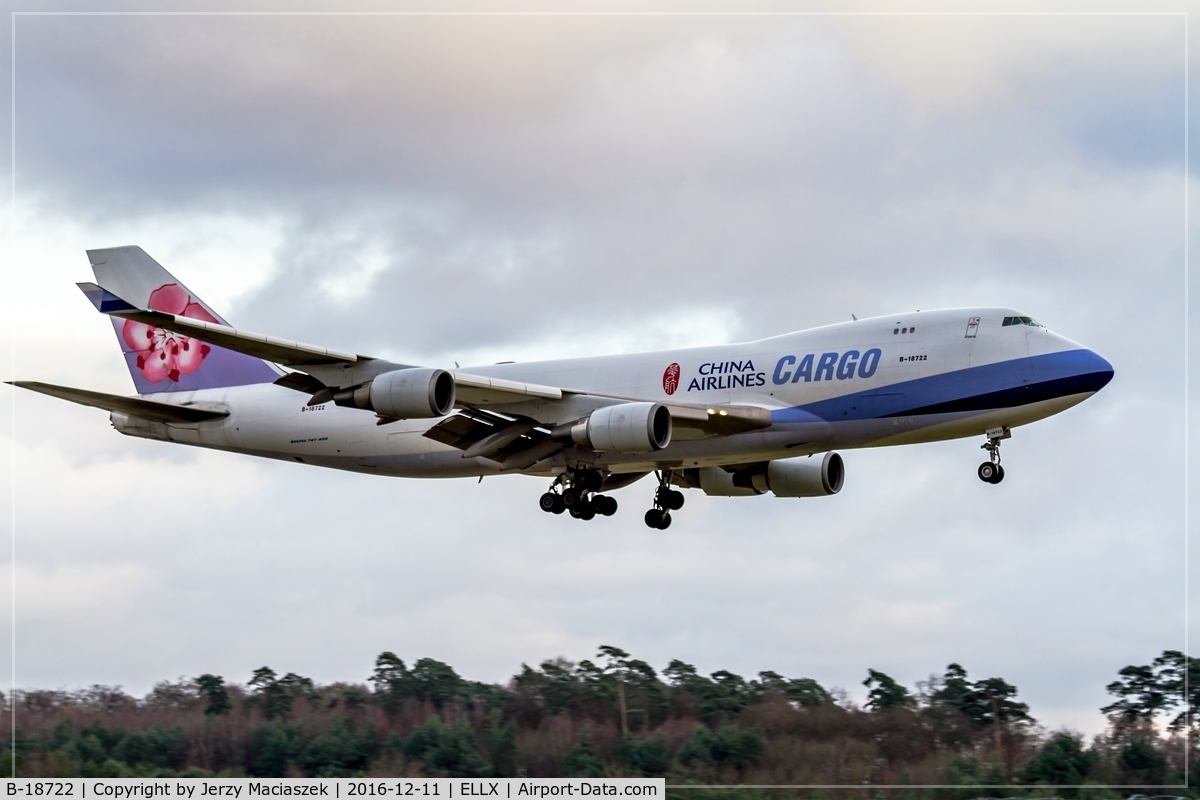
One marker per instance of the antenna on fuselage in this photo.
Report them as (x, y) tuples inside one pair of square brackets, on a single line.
[(854, 318)]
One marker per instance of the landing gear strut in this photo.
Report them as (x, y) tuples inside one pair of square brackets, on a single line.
[(575, 492), (666, 500), (990, 471)]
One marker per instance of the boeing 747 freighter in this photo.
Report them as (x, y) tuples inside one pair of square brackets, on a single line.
[(736, 419)]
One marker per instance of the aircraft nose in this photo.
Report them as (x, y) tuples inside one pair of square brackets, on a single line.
[(1096, 369)]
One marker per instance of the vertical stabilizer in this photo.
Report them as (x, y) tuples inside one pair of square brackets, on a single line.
[(163, 361)]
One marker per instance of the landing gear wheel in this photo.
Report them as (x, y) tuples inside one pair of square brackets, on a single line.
[(666, 500), (999, 474), (549, 501), (670, 499), (571, 497), (604, 505), (988, 472)]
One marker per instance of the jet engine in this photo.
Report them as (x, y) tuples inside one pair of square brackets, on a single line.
[(624, 428), (416, 393), (806, 477), (793, 477)]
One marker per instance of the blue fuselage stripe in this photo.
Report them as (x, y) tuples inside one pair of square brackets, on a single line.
[(1005, 384)]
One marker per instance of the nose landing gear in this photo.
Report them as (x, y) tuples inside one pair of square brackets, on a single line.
[(666, 500), (990, 471), (576, 492)]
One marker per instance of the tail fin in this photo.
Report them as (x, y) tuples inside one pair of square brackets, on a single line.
[(159, 360)]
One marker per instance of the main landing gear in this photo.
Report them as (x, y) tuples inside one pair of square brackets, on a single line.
[(575, 492), (666, 500), (990, 471)]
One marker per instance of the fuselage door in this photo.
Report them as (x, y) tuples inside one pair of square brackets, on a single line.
[(972, 327)]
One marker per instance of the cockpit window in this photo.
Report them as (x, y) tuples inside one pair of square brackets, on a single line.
[(1021, 321)]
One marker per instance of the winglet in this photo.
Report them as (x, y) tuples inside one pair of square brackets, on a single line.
[(105, 301)]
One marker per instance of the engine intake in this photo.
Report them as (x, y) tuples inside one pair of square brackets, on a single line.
[(799, 477), (624, 428), (417, 393)]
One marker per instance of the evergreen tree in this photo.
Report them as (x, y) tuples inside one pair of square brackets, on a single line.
[(884, 692), (1170, 681), (434, 681), (582, 761), (276, 695), (392, 681), (644, 756), (805, 691), (212, 689), (1062, 760), (1140, 762)]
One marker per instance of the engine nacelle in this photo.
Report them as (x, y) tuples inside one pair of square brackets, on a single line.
[(806, 477), (625, 428), (417, 393), (798, 477)]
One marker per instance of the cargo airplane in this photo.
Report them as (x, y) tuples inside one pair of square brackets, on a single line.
[(729, 420)]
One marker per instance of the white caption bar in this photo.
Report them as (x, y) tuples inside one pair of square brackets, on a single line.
[(417, 788)]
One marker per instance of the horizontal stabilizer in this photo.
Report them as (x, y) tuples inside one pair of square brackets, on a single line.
[(105, 301), (133, 406)]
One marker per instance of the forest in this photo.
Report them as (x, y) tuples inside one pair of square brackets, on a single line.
[(617, 716)]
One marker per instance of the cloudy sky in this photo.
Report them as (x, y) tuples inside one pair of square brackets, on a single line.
[(481, 188)]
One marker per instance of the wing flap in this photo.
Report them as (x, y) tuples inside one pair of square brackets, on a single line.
[(511, 442), (463, 429), (302, 382), (133, 406)]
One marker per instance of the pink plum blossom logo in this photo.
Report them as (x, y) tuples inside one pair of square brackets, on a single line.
[(671, 379), (164, 355)]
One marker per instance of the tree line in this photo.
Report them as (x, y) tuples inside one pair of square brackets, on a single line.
[(614, 715)]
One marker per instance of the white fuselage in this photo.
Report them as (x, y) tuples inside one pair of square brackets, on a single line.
[(849, 385)]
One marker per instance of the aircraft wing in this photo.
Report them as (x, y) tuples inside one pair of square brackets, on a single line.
[(318, 370), (133, 406), (281, 351)]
